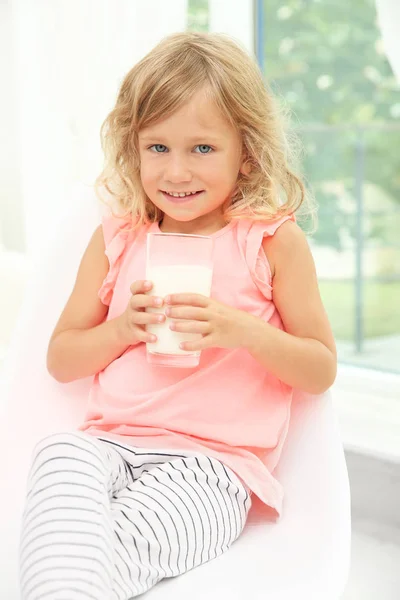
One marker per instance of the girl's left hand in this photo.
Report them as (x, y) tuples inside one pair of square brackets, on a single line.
[(221, 326)]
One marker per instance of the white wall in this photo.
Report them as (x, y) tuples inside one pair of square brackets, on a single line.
[(70, 58), (11, 214)]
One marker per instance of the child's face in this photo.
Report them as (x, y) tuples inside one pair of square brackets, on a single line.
[(193, 150)]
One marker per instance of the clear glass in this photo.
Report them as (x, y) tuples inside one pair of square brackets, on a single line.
[(176, 264)]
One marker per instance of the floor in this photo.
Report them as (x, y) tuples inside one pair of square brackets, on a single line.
[(374, 572), (375, 486)]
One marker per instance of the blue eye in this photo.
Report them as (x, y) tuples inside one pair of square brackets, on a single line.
[(158, 146), (161, 149), (206, 147)]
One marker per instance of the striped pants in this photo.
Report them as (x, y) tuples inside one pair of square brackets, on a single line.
[(107, 521)]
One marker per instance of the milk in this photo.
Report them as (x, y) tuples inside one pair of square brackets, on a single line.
[(175, 279)]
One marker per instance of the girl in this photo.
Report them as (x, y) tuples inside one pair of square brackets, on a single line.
[(158, 479)]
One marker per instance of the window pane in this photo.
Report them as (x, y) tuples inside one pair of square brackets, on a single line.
[(198, 15), (326, 61)]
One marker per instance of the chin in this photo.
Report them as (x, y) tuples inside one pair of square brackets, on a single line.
[(182, 216)]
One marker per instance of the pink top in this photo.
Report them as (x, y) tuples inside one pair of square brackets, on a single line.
[(228, 407)]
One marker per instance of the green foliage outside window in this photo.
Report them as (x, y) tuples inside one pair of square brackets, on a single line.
[(325, 58), (198, 15)]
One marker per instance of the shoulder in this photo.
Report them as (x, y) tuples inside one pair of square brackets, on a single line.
[(98, 236), (287, 243), (117, 228), (287, 235), (94, 257)]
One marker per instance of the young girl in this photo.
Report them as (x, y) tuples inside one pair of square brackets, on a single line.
[(159, 477)]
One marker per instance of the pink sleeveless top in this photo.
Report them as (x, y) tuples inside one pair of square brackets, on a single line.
[(229, 407)]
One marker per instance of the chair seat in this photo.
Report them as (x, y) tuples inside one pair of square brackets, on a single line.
[(305, 554)]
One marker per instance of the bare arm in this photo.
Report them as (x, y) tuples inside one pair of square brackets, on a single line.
[(304, 355), (82, 344)]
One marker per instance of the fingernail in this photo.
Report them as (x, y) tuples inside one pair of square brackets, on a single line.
[(168, 312), (161, 318), (158, 301), (167, 299)]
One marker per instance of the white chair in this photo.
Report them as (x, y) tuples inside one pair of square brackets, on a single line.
[(305, 555)]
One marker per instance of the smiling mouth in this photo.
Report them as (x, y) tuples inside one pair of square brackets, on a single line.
[(181, 196)]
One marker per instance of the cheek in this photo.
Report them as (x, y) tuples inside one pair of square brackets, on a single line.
[(222, 173), (147, 174)]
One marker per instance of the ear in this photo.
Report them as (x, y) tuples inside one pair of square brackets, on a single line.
[(245, 167)]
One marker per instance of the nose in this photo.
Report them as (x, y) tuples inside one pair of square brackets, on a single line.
[(176, 170)]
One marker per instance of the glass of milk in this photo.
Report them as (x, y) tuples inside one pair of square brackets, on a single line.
[(176, 264)]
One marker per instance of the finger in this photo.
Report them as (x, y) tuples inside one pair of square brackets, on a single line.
[(190, 299), (187, 312), (141, 286), (202, 327), (205, 342), (142, 301), (144, 318), (143, 336)]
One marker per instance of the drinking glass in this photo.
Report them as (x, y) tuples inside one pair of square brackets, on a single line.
[(176, 264)]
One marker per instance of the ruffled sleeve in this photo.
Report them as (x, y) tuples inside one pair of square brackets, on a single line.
[(116, 231), (255, 256)]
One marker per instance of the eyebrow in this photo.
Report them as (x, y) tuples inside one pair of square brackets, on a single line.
[(192, 139)]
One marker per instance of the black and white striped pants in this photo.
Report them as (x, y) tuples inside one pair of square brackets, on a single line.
[(108, 521)]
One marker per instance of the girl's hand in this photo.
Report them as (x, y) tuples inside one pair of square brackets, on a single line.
[(221, 326), (132, 322)]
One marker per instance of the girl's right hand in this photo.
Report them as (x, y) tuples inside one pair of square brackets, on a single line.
[(132, 323)]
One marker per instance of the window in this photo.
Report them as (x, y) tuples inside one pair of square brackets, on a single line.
[(197, 15), (325, 59)]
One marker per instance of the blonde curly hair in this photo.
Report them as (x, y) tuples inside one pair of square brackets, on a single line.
[(163, 81)]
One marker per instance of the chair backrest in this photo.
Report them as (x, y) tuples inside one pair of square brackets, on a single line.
[(50, 281)]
